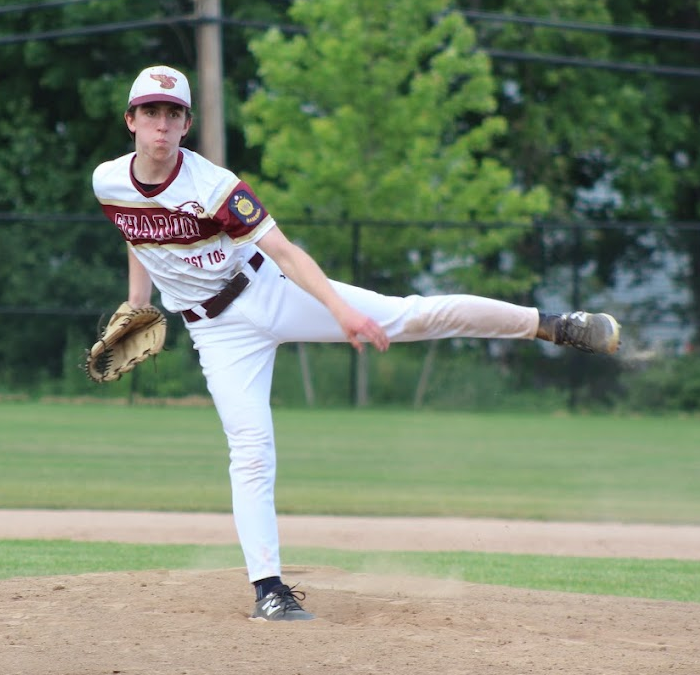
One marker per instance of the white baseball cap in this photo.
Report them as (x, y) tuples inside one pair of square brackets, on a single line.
[(160, 83)]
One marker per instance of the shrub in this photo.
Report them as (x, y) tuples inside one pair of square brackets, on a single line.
[(664, 385)]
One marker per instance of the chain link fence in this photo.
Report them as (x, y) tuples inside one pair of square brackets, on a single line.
[(640, 272)]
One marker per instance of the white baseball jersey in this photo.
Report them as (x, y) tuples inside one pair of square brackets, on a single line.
[(191, 233)]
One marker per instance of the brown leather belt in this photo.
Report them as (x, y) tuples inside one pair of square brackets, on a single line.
[(214, 306)]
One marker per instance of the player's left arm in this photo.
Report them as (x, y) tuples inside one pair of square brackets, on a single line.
[(305, 272)]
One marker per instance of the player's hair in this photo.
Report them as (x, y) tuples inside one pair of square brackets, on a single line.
[(131, 110)]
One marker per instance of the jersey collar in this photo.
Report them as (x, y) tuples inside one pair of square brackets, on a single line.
[(164, 185)]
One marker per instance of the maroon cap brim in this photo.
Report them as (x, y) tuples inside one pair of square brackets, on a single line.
[(158, 98)]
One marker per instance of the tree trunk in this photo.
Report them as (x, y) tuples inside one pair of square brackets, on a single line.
[(426, 372), (306, 374), (362, 380)]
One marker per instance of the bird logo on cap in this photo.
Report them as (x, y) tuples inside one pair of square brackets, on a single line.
[(166, 81)]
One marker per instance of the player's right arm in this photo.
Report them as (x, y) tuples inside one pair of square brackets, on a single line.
[(305, 272), (140, 284)]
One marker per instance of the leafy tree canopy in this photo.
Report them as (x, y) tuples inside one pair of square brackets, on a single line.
[(385, 112)]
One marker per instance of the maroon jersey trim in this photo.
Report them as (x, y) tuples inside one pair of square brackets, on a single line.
[(162, 186)]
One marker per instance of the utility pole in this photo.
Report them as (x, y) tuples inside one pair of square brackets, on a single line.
[(212, 139)]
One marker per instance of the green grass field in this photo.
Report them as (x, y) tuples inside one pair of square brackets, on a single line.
[(657, 579), (362, 462), (357, 462)]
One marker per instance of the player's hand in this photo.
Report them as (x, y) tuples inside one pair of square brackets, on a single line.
[(356, 326)]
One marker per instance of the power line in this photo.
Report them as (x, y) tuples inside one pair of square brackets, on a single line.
[(554, 59), (10, 217), (263, 25), (141, 24), (678, 71), (48, 311), (98, 29), (49, 4), (610, 29), (497, 17)]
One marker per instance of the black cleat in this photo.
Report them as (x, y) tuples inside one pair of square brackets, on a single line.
[(281, 604)]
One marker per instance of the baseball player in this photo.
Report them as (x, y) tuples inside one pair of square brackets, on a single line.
[(216, 255)]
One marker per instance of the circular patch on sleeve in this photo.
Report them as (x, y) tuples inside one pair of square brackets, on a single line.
[(246, 208)]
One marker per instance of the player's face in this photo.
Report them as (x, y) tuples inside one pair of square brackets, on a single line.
[(158, 128)]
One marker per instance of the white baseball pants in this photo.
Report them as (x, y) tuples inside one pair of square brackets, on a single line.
[(237, 351)]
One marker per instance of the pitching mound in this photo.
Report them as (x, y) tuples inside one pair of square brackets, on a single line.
[(195, 623)]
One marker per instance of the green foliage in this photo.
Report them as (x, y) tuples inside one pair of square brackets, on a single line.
[(607, 145), (384, 112), (665, 385), (574, 128), (381, 112), (174, 372), (62, 115), (462, 377)]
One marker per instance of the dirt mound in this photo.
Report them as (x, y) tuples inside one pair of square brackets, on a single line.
[(195, 623)]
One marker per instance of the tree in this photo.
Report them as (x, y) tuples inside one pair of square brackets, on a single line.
[(609, 146), (60, 116), (679, 139), (384, 112), (56, 123)]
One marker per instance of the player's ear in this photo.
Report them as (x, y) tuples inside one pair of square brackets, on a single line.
[(187, 127), (129, 119)]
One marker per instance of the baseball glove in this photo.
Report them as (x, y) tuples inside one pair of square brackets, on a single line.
[(130, 337)]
